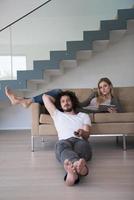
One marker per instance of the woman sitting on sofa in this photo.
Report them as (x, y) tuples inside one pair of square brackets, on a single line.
[(102, 100)]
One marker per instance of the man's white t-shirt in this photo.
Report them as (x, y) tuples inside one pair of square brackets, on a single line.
[(66, 124)]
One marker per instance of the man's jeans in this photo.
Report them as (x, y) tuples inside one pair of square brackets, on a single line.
[(73, 149)]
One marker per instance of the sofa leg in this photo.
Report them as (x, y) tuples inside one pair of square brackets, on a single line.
[(117, 139), (32, 143), (42, 139), (124, 142)]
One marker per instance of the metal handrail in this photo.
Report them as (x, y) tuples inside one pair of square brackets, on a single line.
[(25, 15)]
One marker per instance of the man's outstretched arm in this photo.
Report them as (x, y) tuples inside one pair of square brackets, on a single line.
[(49, 103)]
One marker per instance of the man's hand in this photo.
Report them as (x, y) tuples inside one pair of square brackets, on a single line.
[(82, 133), (112, 110)]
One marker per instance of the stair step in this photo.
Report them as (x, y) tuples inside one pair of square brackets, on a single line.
[(113, 25), (15, 84), (31, 85), (74, 46), (29, 74), (91, 36), (84, 55), (44, 64), (130, 26), (126, 14), (57, 56), (36, 81), (54, 72), (68, 64), (117, 35), (100, 45)]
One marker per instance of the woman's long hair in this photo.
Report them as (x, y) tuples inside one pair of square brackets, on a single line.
[(100, 97), (71, 95)]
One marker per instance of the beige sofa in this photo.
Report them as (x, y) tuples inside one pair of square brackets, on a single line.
[(118, 124)]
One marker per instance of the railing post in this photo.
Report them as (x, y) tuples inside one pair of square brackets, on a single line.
[(124, 142)]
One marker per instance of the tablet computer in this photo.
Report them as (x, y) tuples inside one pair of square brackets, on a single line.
[(104, 108)]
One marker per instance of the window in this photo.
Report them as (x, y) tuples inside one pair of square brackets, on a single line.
[(8, 70)]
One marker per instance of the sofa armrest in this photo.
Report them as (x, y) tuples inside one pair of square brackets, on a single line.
[(35, 119)]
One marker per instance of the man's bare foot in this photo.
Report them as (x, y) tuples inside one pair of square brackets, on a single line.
[(72, 175), (81, 167)]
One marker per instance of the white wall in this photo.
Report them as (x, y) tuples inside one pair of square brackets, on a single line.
[(11, 10), (15, 117)]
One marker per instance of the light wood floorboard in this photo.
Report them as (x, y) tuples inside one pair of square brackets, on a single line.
[(26, 175)]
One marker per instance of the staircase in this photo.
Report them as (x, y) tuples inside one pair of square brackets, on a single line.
[(93, 41)]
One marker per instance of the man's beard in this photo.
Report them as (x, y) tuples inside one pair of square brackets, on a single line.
[(68, 109)]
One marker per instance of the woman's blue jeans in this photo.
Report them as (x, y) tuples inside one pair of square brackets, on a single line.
[(53, 93)]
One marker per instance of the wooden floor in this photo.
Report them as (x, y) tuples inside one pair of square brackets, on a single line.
[(25, 175)]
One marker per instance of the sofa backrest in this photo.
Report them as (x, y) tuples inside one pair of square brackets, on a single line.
[(82, 93), (126, 97), (124, 94)]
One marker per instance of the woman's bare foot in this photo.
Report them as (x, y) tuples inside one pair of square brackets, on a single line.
[(13, 99), (72, 175), (26, 102), (17, 100), (81, 167)]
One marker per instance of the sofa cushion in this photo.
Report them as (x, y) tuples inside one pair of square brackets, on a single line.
[(112, 128), (113, 117), (47, 129), (47, 119)]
